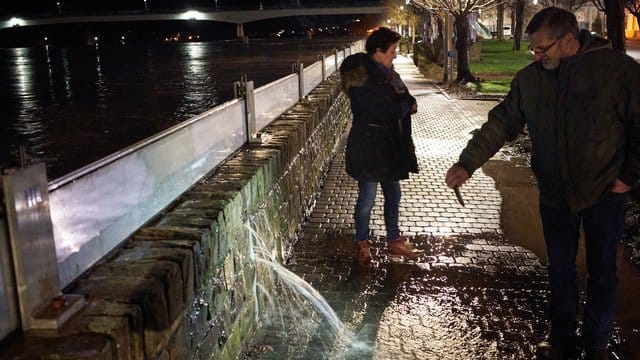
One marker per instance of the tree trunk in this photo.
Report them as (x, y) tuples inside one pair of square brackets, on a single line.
[(462, 47), (500, 21), (513, 16), (615, 23), (413, 37), (517, 32)]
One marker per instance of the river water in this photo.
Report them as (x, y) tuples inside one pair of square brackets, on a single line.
[(70, 106)]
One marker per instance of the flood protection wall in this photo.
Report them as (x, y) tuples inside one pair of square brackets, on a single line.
[(95, 209), (183, 285)]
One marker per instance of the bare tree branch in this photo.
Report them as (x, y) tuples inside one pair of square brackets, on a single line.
[(599, 4), (634, 7), (571, 5)]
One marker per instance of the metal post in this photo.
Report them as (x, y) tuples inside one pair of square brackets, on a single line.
[(250, 106), (323, 60), (244, 88), (445, 47), (299, 69), (9, 311), (42, 306)]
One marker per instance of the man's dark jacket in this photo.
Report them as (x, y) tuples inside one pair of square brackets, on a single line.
[(584, 122), (379, 146)]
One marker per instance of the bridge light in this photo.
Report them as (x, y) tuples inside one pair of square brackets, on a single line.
[(14, 21), (192, 15)]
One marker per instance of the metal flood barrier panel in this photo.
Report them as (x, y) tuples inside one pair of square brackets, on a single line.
[(312, 77), (94, 209), (275, 98)]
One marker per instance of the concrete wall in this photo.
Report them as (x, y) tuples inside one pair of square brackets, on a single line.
[(182, 286)]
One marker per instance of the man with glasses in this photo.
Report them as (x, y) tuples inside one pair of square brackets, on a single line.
[(580, 100)]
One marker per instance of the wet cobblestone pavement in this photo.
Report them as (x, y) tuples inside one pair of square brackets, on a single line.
[(472, 295)]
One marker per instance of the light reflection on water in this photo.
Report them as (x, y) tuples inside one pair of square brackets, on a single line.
[(71, 106)]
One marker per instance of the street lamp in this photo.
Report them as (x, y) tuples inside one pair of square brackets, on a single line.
[(59, 10), (146, 7)]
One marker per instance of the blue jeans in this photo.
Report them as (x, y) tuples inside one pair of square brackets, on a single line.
[(366, 198), (603, 226)]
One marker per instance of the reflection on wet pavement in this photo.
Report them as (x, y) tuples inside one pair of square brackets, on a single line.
[(480, 289), (466, 298)]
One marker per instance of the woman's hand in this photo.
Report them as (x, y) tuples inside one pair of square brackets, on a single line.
[(620, 187)]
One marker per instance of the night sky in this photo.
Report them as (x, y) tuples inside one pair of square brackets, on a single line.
[(43, 7)]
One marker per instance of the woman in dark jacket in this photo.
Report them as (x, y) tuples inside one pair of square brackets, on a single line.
[(379, 147)]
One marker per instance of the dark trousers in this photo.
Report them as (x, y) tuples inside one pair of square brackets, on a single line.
[(603, 226)]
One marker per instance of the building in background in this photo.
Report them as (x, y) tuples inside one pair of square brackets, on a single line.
[(631, 29)]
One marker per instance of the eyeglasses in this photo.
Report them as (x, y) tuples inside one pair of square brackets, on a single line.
[(540, 50)]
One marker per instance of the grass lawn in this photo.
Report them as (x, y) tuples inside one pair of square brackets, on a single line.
[(498, 64)]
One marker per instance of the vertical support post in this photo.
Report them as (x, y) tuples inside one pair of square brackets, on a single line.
[(323, 60), (244, 88), (250, 109), (300, 71), (42, 306), (9, 311), (445, 47)]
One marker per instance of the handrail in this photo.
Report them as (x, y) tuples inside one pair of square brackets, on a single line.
[(72, 176)]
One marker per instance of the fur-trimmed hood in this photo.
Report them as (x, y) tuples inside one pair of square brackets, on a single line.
[(354, 70)]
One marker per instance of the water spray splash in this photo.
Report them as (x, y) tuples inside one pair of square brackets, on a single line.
[(286, 303)]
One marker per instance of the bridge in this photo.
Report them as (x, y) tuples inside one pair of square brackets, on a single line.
[(238, 17)]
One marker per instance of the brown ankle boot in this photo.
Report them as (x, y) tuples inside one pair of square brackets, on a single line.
[(362, 252), (402, 247)]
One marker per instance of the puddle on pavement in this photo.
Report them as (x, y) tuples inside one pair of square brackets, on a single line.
[(423, 311), (406, 310), (520, 221)]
